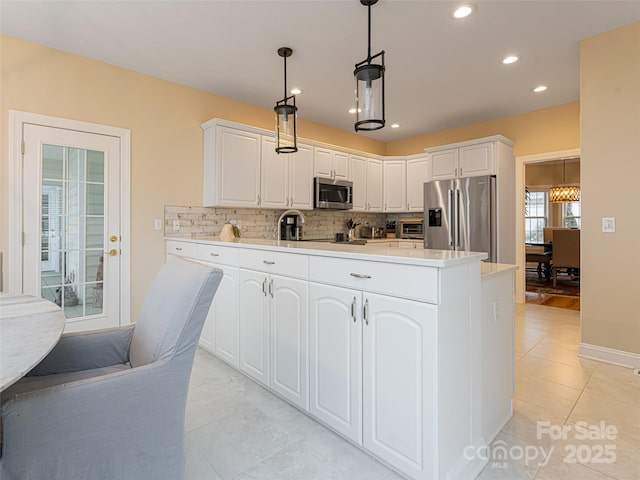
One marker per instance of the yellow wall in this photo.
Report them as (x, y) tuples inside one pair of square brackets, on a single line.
[(610, 130), (166, 139), (549, 130)]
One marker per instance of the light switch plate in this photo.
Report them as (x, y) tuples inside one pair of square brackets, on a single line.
[(157, 224), (608, 224)]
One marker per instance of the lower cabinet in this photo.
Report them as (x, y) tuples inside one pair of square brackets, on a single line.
[(273, 333), (225, 312), (373, 372)]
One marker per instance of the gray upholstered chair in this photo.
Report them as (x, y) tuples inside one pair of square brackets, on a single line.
[(110, 404)]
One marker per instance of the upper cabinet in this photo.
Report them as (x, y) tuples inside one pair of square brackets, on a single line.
[(367, 178), (287, 179), (395, 183), (331, 164), (242, 169), (464, 161), (231, 167), (417, 175)]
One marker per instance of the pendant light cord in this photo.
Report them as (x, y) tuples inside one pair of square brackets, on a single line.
[(369, 37), (285, 80)]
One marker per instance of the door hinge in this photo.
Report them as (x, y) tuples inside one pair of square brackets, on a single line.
[(22, 147)]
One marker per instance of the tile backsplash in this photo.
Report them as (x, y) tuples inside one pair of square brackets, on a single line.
[(261, 223)]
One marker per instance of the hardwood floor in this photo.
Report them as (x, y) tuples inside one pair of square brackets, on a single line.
[(551, 300)]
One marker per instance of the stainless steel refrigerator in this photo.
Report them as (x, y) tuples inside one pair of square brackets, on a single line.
[(460, 214)]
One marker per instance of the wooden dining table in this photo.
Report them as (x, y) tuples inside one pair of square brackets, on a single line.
[(29, 328)]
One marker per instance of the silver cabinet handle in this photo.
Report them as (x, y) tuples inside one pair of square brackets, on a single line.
[(258, 202), (268, 262), (179, 249), (271, 288), (353, 310), (360, 275), (264, 286), (214, 254), (365, 311)]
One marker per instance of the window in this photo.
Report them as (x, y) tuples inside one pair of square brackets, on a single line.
[(571, 214), (535, 216)]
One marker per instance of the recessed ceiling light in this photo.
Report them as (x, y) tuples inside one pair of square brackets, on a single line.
[(540, 88), (296, 91), (510, 59), (395, 125), (464, 11)]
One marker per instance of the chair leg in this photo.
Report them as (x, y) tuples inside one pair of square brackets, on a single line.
[(555, 276), (539, 270)]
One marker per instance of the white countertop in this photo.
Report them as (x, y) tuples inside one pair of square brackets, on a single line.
[(487, 269), (424, 257)]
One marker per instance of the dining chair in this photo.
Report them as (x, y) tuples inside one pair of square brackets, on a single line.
[(566, 251), (110, 404)]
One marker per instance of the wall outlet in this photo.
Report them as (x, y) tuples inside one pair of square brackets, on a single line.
[(157, 224), (608, 224), (176, 225)]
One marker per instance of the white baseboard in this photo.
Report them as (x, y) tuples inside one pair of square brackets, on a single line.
[(609, 355), (466, 468)]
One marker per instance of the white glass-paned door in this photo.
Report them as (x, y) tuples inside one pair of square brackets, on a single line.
[(71, 252)]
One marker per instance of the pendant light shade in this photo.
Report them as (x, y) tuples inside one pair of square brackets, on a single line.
[(286, 114), (564, 193), (369, 86)]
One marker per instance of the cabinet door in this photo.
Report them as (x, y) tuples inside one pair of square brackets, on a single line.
[(476, 160), (335, 358), (237, 159), (416, 178), (323, 162), (274, 187), (207, 337), (399, 383), (254, 325), (395, 180), (225, 308), (375, 185), (340, 165), (443, 164), (288, 327), (301, 178), (359, 179)]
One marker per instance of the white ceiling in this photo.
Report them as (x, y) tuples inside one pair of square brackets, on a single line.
[(441, 73)]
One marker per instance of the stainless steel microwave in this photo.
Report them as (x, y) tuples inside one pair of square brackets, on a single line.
[(332, 194)]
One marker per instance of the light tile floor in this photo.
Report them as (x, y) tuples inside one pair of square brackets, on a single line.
[(238, 430)]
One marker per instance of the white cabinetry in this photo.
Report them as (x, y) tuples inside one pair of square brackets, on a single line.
[(331, 163), (464, 161), (417, 175), (274, 322), (367, 178), (231, 167), (400, 368), (335, 359), (395, 182), (287, 179)]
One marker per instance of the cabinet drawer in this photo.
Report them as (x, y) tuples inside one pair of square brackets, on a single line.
[(406, 281), (217, 254), (184, 249), (288, 264)]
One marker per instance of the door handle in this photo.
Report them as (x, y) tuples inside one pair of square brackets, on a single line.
[(458, 233), (451, 216), (365, 312), (268, 262), (113, 252), (360, 275), (264, 286), (113, 238), (353, 310), (271, 288)]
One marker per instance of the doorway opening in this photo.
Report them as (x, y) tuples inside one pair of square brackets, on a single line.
[(537, 219)]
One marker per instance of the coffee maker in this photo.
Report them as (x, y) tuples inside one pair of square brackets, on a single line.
[(289, 228)]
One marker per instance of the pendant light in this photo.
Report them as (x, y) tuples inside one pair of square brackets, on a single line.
[(286, 114), (564, 193), (369, 86)]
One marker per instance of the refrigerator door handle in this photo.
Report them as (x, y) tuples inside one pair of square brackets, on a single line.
[(458, 230), (451, 217)]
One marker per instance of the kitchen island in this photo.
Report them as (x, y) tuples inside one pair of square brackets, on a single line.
[(407, 353)]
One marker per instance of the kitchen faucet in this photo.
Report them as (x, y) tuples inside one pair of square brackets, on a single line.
[(285, 214)]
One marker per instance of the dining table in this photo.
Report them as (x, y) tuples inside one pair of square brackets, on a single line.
[(29, 329)]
